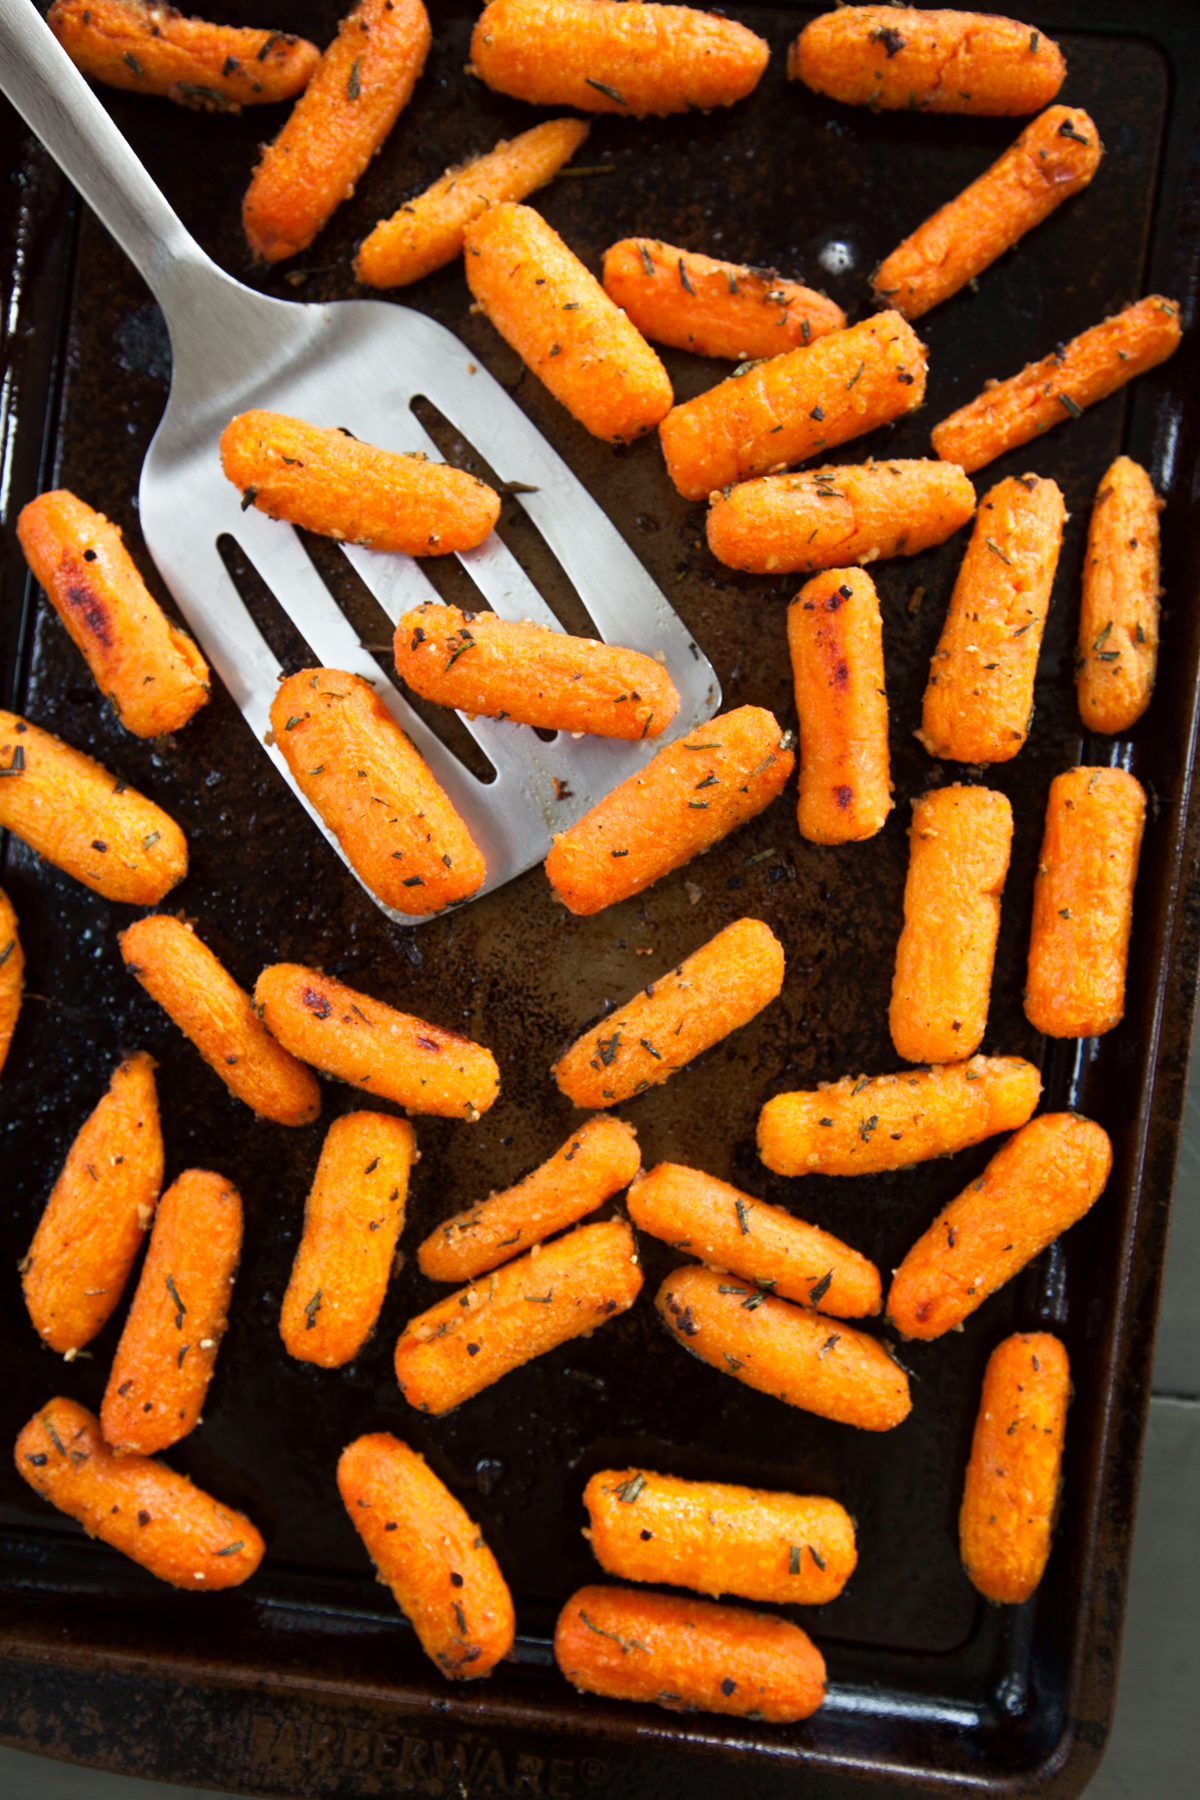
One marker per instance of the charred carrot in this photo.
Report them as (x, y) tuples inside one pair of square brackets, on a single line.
[(98, 1212), (784, 410), (12, 975), (717, 989), (1095, 364), (1118, 620), (84, 820), (717, 1538), (979, 699), (1083, 902), (562, 324), (1010, 1497), (377, 1049), (555, 1293), (713, 308), (483, 664), (835, 635), (601, 56), (595, 1163), (931, 61), (428, 232), (135, 1503), (168, 1349), (731, 1230), (374, 790), (427, 1550), (688, 798), (865, 1123), (352, 1222)]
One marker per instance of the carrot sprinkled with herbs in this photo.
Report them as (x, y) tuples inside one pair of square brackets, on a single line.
[(1117, 658), (835, 635), (927, 61), (713, 308), (12, 975)]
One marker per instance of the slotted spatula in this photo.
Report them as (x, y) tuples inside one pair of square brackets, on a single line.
[(360, 364)]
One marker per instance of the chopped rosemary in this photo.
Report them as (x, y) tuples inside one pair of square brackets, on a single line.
[(818, 1293), (610, 93), (312, 1309), (743, 1221), (628, 1492), (647, 259), (180, 1308), (683, 279), (1072, 406), (354, 85), (993, 546)]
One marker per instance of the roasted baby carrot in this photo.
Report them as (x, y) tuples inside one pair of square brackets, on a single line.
[(85, 821), (1043, 1180), (562, 324), (1083, 902), (352, 1221), (835, 635), (979, 698), (716, 1538), (1010, 1497), (375, 791), (179, 1315), (959, 844), (688, 1655), (360, 87), (838, 515), (135, 1503), (600, 56), (784, 410), (203, 999), (1095, 364), (98, 1212), (1118, 620), (153, 49), (377, 1049), (427, 232), (481, 663), (427, 1550), (728, 1229), (595, 1163), (930, 61), (789, 1352), (557, 1292), (865, 1123), (718, 988), (712, 308), (690, 796), (12, 975)]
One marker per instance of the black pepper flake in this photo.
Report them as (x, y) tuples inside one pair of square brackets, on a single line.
[(817, 413), (891, 40), (728, 1686)]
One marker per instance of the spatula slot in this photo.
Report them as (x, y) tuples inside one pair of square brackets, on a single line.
[(283, 640)]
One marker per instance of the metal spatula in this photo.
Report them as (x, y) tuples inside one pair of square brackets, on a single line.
[(359, 364)]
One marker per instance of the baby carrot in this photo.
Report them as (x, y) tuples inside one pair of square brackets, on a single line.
[(428, 232), (837, 515), (980, 695), (863, 1124), (152, 49), (562, 324), (1010, 1497), (784, 410), (959, 845), (1118, 620), (786, 1351), (374, 1047), (716, 1538), (361, 85), (12, 975), (595, 1163), (1083, 902), (84, 820), (688, 1655), (375, 791), (352, 1221), (98, 1212), (481, 663), (600, 56), (712, 308), (690, 796), (718, 988), (1095, 364), (835, 636), (427, 1550), (933, 61), (728, 1229), (557, 1292), (179, 1315), (135, 1503), (200, 995)]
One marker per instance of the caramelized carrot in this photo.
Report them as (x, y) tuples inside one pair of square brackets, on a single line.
[(12, 975), (1118, 620), (712, 308), (835, 636), (933, 61)]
